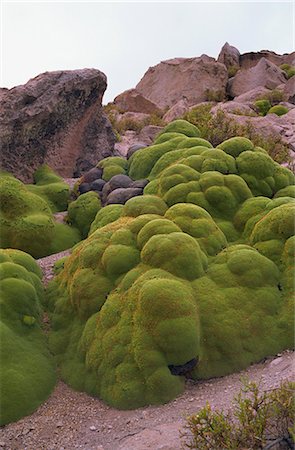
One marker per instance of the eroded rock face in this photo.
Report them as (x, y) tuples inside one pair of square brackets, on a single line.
[(56, 118), (183, 78), (265, 74)]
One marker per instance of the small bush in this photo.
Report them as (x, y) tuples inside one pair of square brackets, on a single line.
[(232, 70), (279, 110), (263, 106), (214, 95), (274, 97), (199, 116), (288, 69), (258, 420)]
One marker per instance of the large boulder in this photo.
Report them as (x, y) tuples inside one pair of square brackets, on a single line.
[(229, 56), (133, 101), (183, 78), (57, 119), (289, 90), (265, 74), (177, 110)]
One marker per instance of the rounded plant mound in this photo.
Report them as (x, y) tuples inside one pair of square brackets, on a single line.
[(27, 373), (187, 279), (27, 223)]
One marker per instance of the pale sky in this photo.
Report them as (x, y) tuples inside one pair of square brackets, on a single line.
[(123, 39)]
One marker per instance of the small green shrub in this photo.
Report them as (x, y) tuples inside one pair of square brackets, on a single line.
[(288, 69), (263, 106), (232, 70), (274, 97), (214, 95), (258, 420), (279, 110), (199, 116)]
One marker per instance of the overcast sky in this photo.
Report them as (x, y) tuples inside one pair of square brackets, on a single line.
[(124, 38)]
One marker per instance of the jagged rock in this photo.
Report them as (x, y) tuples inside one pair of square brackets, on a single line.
[(134, 101), (229, 56), (265, 74), (176, 111), (56, 118), (183, 78), (250, 59)]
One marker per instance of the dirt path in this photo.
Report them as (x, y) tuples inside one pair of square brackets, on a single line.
[(71, 420)]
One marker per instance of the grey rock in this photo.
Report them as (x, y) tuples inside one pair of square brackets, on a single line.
[(134, 148), (84, 187), (140, 183), (92, 174), (97, 185), (121, 196)]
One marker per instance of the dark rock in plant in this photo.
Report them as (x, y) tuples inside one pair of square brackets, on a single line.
[(184, 368), (121, 196), (56, 119), (84, 187), (140, 183), (119, 181), (134, 148), (97, 185), (92, 175)]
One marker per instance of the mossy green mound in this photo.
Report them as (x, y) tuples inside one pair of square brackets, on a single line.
[(113, 165), (51, 188), (27, 224), (82, 212), (279, 110), (27, 373), (183, 127), (188, 278)]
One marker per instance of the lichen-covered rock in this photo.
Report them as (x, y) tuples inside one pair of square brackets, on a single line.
[(27, 373), (56, 119), (27, 223)]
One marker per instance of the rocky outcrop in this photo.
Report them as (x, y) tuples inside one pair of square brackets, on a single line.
[(133, 101), (57, 119), (192, 79), (250, 59), (229, 56), (265, 74), (289, 90), (176, 111)]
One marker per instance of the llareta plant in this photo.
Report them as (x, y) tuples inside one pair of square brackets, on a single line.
[(193, 278)]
